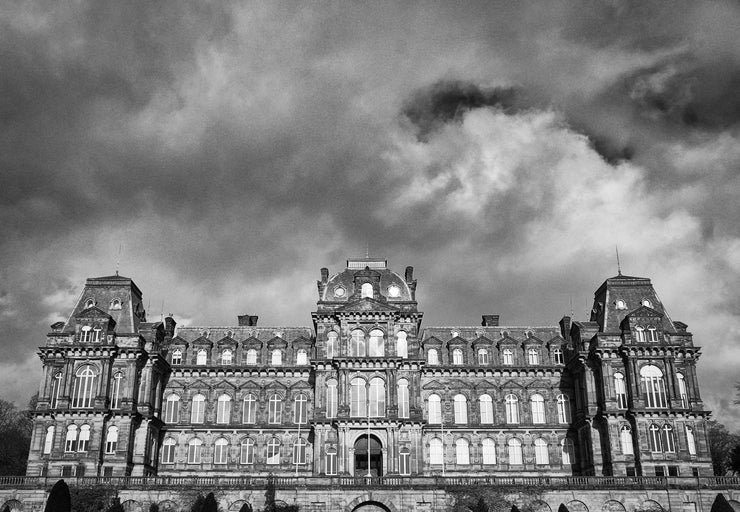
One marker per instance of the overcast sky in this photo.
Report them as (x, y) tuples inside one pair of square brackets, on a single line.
[(502, 149)]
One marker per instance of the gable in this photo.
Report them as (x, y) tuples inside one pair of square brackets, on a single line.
[(511, 384), (250, 384), (222, 384), (433, 385), (485, 384), (275, 384)]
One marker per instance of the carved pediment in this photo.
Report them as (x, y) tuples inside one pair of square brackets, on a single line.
[(224, 384), (301, 384), (512, 384), (367, 304), (252, 342), (538, 384), (457, 340), (227, 341), (485, 384), (433, 385), (202, 341), (276, 384), (482, 340), (432, 341), (199, 385), (250, 384)]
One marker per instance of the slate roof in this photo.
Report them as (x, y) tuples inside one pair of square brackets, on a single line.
[(241, 333), (493, 333)]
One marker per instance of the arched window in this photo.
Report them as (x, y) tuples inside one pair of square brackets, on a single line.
[(331, 398), (403, 398), (358, 398), (512, 409), (332, 345), (220, 451), (366, 290), (246, 451), (538, 409), (301, 358), (176, 357), (640, 334), (89, 303), (357, 343), (541, 455), (299, 451), (652, 334), (486, 409), (249, 409), (457, 356), (620, 304), (331, 461), (111, 439), (533, 356), (557, 356), (276, 358), (482, 357), (432, 356), (515, 451), (508, 357), (436, 455), (461, 409), (70, 442), (195, 447), (115, 304), (404, 461), (201, 358), (56, 386), (489, 451), (198, 409), (377, 398), (669, 440), (84, 389), (462, 452), (273, 451), (563, 409), (275, 409), (690, 441), (49, 439), (300, 409), (172, 409), (625, 440), (84, 438), (653, 386), (168, 451), (656, 442), (115, 402), (376, 346), (567, 453), (227, 357), (86, 334), (647, 303), (251, 357), (223, 410), (402, 348), (434, 404), (682, 390), (620, 390)]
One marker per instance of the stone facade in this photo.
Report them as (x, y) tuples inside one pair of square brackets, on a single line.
[(366, 391)]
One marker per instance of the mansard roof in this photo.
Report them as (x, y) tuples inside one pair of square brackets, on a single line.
[(241, 333), (472, 333)]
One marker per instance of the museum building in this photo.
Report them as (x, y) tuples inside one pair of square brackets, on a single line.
[(367, 391)]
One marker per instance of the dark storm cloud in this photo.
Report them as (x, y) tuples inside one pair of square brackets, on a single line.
[(447, 101)]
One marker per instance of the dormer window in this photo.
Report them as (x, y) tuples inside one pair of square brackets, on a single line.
[(533, 357), (86, 334), (366, 291), (640, 334), (652, 334), (201, 358), (227, 357), (115, 304), (620, 304), (557, 356), (89, 303), (177, 357), (507, 357), (647, 303)]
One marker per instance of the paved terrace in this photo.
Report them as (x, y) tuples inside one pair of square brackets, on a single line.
[(386, 482)]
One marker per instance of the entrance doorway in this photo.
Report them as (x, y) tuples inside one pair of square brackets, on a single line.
[(368, 450)]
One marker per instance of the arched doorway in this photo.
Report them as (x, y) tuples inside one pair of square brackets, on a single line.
[(368, 454)]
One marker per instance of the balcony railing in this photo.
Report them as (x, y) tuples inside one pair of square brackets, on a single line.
[(428, 482)]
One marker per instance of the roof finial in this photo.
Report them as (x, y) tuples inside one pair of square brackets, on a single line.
[(118, 261), (367, 250), (571, 306), (619, 267)]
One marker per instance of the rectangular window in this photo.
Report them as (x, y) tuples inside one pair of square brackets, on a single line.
[(68, 471), (331, 462), (672, 470), (107, 471), (631, 471), (659, 471), (404, 462)]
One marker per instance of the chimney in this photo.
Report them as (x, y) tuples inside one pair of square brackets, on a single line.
[(409, 274), (324, 275), (169, 326), (490, 321), (247, 320), (565, 328)]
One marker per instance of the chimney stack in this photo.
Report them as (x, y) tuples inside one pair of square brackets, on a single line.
[(409, 274), (565, 324), (248, 320), (490, 321), (324, 275), (169, 326)]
